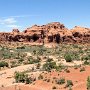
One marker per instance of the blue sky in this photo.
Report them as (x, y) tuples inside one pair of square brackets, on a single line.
[(24, 13)]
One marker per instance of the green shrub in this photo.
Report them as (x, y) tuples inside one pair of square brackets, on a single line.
[(22, 77), (86, 57), (80, 51), (32, 61), (68, 58), (49, 59), (49, 66), (3, 64), (69, 83), (75, 46), (60, 81), (28, 80), (76, 66), (6, 55), (34, 52), (88, 83), (22, 47), (82, 69), (14, 64), (86, 62), (20, 60)]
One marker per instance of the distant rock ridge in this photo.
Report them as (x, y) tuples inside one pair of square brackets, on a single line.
[(52, 32)]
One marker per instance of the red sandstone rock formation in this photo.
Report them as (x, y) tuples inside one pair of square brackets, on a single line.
[(51, 32)]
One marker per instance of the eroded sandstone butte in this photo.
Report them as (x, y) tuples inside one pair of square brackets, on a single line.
[(51, 32)]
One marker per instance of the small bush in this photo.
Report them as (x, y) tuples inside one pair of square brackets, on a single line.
[(86, 62), (3, 64), (20, 60), (60, 81), (76, 67), (87, 57), (22, 47), (69, 83), (49, 59), (28, 80), (49, 66), (88, 83), (75, 46), (82, 69), (38, 66), (40, 77), (22, 77), (32, 61), (68, 58)]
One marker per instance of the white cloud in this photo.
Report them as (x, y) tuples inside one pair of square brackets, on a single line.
[(8, 21), (20, 16), (13, 26)]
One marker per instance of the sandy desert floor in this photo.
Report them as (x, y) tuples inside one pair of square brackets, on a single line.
[(79, 79)]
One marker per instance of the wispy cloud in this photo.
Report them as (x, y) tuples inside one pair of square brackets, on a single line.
[(13, 26), (24, 16), (21, 16), (8, 21)]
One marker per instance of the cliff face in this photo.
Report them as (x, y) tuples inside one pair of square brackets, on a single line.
[(51, 32)]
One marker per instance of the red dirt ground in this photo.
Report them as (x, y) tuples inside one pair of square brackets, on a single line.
[(78, 78)]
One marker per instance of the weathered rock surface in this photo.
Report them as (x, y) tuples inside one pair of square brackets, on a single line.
[(51, 32)]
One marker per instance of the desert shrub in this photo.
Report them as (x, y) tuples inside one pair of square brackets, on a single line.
[(20, 60), (40, 77), (80, 51), (75, 46), (76, 66), (22, 47), (69, 83), (14, 64), (49, 59), (75, 56), (32, 61), (3, 64), (6, 55), (68, 57), (60, 81), (82, 69), (34, 52), (71, 55), (22, 77), (49, 65), (87, 57), (28, 80), (40, 52), (38, 65), (86, 62), (88, 83), (60, 67)]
